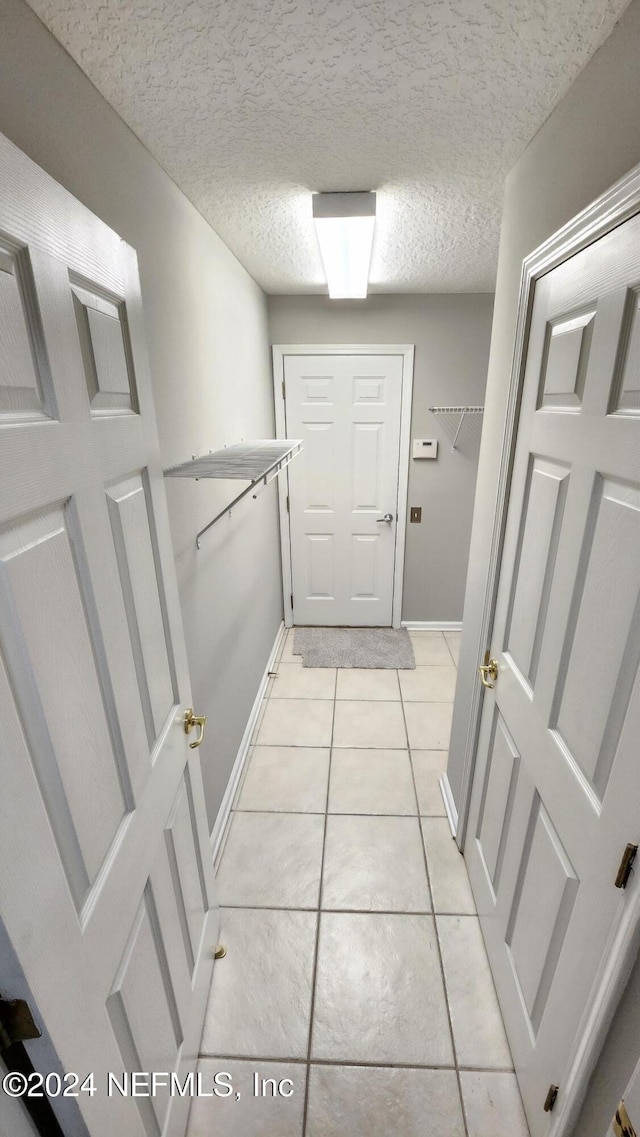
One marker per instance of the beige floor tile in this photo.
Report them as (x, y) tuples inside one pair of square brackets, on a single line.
[(371, 781), (365, 683), (428, 684), (453, 643), (250, 1116), (361, 1101), (287, 779), (272, 860), (492, 1104), (430, 648), (428, 768), (374, 864), (287, 652), (379, 992), (296, 722), (295, 682), (450, 888), (478, 1031), (260, 998), (428, 725), (369, 724)]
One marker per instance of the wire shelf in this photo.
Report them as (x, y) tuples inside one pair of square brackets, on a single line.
[(259, 461), (457, 410), (462, 411)]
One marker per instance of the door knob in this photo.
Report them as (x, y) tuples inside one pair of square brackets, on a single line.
[(488, 670), (191, 720), (388, 517)]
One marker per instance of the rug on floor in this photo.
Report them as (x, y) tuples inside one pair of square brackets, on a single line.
[(354, 647)]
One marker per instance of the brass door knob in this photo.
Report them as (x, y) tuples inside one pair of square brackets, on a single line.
[(191, 720), (488, 670)]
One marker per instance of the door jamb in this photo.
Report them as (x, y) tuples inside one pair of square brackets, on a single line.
[(612, 209), (406, 351)]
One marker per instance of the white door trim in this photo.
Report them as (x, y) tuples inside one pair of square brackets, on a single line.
[(406, 351), (614, 207)]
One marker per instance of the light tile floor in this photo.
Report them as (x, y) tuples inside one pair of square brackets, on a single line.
[(356, 978)]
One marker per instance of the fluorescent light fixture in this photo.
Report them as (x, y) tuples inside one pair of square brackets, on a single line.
[(344, 224)]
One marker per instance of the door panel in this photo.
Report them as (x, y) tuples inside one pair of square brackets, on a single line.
[(365, 569), (567, 355), (627, 396), (540, 911), (131, 525), (346, 408), (554, 800), (501, 780), (142, 1009), (536, 554), (107, 894), (25, 383), (54, 670), (590, 702), (106, 351)]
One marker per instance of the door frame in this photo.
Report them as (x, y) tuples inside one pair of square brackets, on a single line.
[(617, 205), (406, 352)]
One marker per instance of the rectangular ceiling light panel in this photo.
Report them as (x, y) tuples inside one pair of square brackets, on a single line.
[(344, 225)]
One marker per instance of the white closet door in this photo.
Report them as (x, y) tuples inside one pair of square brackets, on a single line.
[(555, 796), (106, 890), (346, 408)]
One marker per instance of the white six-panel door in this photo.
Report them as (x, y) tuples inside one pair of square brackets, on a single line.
[(343, 489), (106, 890), (555, 795)]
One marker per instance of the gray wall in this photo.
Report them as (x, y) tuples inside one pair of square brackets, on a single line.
[(589, 141), (451, 335), (206, 322)]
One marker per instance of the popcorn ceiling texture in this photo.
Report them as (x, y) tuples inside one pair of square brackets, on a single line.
[(252, 104)]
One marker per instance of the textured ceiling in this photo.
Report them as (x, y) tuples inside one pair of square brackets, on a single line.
[(251, 105)]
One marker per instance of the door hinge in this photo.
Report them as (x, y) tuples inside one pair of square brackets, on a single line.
[(550, 1099), (626, 865), (283, 390), (16, 1023), (621, 1125), (291, 598), (288, 506)]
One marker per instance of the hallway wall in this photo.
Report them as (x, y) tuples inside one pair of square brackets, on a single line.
[(590, 140), (206, 322), (451, 335)]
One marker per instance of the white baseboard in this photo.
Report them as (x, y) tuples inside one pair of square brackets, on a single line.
[(449, 804), (432, 625), (220, 825)]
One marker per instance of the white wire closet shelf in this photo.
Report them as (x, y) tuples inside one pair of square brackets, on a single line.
[(258, 462), (462, 411)]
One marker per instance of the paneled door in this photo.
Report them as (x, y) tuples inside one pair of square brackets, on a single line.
[(106, 890), (344, 487), (555, 795)]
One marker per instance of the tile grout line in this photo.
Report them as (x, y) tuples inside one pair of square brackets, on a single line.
[(329, 699), (348, 911), (437, 939), (450, 652), (320, 813), (314, 976), (350, 1062), (306, 746)]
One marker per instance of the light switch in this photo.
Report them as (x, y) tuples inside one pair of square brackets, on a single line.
[(425, 448)]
